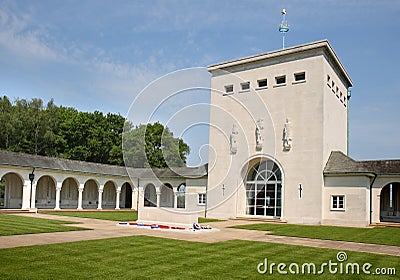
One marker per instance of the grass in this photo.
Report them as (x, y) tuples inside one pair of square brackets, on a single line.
[(377, 235), (143, 257), (121, 216), (16, 225), (206, 220)]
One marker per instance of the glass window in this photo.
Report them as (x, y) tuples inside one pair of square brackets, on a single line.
[(229, 89), (202, 198), (300, 76), (337, 202), (280, 80), (245, 86), (262, 83)]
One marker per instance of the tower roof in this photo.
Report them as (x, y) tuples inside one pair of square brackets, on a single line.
[(287, 52)]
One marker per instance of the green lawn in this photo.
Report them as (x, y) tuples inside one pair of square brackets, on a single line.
[(206, 220), (143, 257), (15, 225), (378, 235), (121, 216)]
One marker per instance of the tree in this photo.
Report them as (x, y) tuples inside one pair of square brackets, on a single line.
[(29, 126), (153, 145)]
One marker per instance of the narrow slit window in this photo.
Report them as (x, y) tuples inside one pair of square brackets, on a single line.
[(280, 80), (245, 86), (300, 76), (262, 83)]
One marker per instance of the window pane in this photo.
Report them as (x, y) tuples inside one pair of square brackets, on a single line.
[(245, 86), (229, 89), (300, 76), (262, 83), (280, 80), (334, 202), (341, 202)]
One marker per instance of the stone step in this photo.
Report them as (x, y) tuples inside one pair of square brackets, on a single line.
[(386, 224), (17, 211)]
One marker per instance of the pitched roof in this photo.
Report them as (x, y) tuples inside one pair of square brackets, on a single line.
[(42, 162), (339, 163)]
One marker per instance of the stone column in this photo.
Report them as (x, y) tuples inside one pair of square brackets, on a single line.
[(33, 205), (117, 199), (58, 195), (134, 198), (158, 198), (80, 192), (141, 198), (99, 206), (26, 192), (175, 200)]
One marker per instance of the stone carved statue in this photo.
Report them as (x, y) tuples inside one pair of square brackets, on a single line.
[(286, 139), (232, 140), (259, 138)]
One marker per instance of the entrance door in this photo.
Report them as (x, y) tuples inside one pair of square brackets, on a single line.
[(264, 190)]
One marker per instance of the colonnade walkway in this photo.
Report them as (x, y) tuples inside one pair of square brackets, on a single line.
[(101, 229)]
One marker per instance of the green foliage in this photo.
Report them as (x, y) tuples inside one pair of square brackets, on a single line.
[(153, 145), (121, 216), (48, 130), (144, 257), (15, 225), (377, 235)]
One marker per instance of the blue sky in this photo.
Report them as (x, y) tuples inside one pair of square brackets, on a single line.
[(98, 55)]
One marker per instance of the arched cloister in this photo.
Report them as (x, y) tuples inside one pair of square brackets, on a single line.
[(126, 196), (69, 193), (150, 196), (109, 195), (264, 189), (45, 192), (390, 203), (166, 196), (90, 194), (11, 188), (181, 199)]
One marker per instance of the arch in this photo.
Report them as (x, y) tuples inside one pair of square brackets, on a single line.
[(390, 203), (125, 199), (90, 194), (263, 183), (109, 195), (150, 196), (11, 188), (45, 192), (166, 196), (181, 196), (69, 193)]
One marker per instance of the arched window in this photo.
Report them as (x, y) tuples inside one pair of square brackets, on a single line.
[(167, 196), (181, 196), (264, 189), (150, 196), (390, 203)]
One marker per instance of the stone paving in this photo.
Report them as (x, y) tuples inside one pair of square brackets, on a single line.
[(101, 229)]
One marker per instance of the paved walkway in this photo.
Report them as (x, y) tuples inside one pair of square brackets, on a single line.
[(106, 229)]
